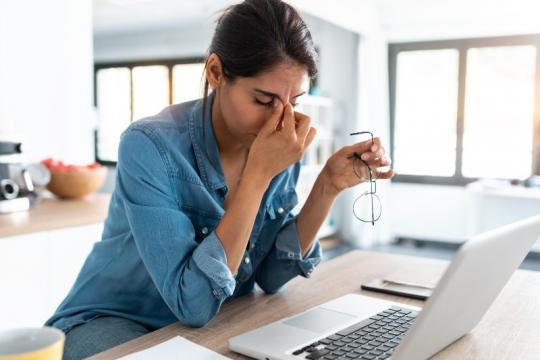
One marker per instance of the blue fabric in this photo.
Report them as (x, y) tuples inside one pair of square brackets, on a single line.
[(98, 335), (159, 259)]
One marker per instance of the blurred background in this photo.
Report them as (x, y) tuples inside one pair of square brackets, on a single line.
[(451, 87)]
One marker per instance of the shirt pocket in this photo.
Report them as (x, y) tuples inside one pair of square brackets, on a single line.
[(204, 222), (282, 204)]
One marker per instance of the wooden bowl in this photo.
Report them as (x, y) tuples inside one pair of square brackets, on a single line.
[(76, 183)]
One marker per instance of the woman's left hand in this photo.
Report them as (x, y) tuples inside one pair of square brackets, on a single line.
[(339, 173)]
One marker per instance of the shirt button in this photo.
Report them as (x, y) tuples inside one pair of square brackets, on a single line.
[(246, 260), (280, 210), (252, 246), (204, 230)]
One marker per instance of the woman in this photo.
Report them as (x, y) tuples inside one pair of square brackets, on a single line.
[(204, 190)]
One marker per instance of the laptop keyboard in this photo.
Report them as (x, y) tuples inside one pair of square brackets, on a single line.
[(373, 338)]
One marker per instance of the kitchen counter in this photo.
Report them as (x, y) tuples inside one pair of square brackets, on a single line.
[(50, 213)]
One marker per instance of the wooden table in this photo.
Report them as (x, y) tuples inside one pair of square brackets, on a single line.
[(509, 330), (50, 213)]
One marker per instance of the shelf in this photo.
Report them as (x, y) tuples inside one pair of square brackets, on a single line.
[(503, 189)]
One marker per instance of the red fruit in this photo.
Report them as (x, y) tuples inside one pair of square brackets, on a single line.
[(60, 167), (49, 163)]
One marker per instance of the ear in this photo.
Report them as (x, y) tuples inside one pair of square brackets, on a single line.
[(214, 71)]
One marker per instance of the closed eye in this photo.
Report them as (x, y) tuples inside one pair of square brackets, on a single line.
[(270, 103)]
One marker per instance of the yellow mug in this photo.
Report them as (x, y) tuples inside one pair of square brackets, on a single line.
[(45, 343)]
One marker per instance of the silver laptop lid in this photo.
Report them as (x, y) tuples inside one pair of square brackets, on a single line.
[(477, 274)]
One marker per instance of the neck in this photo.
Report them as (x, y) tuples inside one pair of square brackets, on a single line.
[(228, 145)]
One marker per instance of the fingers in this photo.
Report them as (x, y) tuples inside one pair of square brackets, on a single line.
[(366, 146), (303, 126), (288, 120), (382, 175), (271, 125), (371, 152), (378, 162), (309, 137), (373, 155), (376, 166)]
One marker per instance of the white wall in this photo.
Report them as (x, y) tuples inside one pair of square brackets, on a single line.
[(359, 75), (46, 72), (189, 41)]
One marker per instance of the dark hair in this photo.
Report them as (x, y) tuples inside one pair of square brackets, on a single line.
[(255, 35)]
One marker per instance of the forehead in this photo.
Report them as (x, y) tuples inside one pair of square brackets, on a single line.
[(284, 79)]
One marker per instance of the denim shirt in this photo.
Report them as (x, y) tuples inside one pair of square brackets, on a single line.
[(159, 259)]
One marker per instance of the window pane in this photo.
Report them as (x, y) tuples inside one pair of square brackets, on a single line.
[(187, 82), (499, 105), (114, 110), (426, 112), (150, 90)]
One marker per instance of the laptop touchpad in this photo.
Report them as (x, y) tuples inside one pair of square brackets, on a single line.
[(319, 320)]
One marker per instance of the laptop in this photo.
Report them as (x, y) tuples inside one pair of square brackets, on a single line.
[(360, 327)]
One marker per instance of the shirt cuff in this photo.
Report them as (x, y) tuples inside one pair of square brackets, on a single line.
[(288, 248), (211, 259)]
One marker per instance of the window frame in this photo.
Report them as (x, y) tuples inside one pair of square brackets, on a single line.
[(169, 63), (461, 45)]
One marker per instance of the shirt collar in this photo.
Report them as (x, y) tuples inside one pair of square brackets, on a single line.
[(205, 146), (207, 152)]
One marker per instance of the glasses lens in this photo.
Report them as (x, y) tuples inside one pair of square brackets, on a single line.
[(367, 207)]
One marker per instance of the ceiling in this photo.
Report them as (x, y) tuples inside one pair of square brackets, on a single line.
[(128, 15), (397, 18)]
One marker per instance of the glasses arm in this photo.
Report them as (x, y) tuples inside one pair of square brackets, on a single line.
[(363, 132)]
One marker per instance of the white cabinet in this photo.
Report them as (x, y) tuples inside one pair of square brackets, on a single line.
[(496, 203), (38, 269)]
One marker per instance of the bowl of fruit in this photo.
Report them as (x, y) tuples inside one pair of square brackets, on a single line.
[(74, 181)]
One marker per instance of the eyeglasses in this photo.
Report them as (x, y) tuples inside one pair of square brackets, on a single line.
[(367, 207)]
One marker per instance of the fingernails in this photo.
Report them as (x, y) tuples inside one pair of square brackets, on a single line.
[(365, 156), (374, 148)]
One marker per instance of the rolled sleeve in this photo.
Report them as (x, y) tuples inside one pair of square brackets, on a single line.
[(288, 248), (285, 260), (192, 277), (211, 259)]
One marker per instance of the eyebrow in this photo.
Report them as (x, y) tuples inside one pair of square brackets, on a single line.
[(267, 93)]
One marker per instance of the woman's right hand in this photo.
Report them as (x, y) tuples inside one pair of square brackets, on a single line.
[(281, 142)]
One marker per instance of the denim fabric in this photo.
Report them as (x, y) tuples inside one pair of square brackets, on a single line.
[(159, 259), (99, 335)]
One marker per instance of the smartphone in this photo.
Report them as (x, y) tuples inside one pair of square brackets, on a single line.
[(413, 291)]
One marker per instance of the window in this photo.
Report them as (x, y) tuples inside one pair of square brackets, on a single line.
[(125, 92), (464, 109)]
